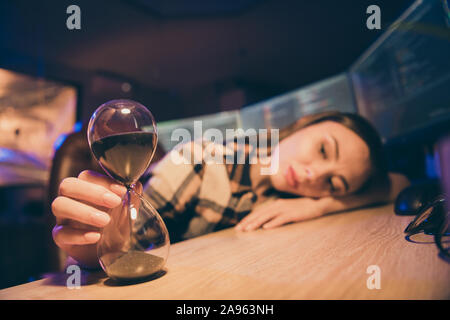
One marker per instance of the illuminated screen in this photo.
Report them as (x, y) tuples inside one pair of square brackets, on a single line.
[(34, 112), (402, 83), (332, 93)]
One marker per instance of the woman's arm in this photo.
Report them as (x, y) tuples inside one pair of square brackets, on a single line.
[(372, 195), (81, 209), (281, 211)]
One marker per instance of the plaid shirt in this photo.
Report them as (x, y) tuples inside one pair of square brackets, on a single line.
[(197, 196)]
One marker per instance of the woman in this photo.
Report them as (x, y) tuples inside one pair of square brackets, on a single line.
[(327, 163)]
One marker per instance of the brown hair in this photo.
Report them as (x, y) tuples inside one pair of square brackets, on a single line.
[(361, 127)]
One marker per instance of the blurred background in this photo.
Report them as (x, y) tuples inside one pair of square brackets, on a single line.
[(181, 59)]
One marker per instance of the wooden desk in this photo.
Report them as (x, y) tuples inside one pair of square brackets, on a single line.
[(325, 258)]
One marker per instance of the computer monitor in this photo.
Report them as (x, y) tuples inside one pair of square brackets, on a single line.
[(34, 114), (333, 93), (402, 82)]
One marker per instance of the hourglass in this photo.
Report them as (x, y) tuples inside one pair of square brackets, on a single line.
[(135, 244)]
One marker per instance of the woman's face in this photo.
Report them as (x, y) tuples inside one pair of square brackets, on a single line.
[(323, 159)]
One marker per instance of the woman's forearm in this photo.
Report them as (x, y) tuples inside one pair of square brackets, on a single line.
[(374, 195), (330, 204)]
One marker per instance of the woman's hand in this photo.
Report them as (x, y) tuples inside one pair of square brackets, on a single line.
[(81, 213), (281, 211)]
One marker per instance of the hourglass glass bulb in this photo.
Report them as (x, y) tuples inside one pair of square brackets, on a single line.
[(135, 243), (122, 136)]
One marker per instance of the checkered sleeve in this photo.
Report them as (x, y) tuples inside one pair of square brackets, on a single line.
[(196, 191), (173, 188)]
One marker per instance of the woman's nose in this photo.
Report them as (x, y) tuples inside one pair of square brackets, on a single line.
[(309, 173), (313, 174), (305, 174)]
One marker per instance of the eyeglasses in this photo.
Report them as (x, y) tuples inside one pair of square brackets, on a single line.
[(431, 222)]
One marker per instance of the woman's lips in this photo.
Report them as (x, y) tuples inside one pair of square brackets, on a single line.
[(291, 177)]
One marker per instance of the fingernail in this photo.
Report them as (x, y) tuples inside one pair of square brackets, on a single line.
[(92, 237), (118, 188), (248, 228), (238, 227), (111, 199), (101, 218)]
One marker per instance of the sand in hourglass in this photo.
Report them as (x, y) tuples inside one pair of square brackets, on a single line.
[(134, 265), (125, 156)]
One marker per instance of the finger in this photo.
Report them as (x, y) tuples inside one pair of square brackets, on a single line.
[(277, 221), (118, 189), (253, 215), (76, 225), (138, 187), (257, 223), (88, 192), (64, 235), (245, 221), (242, 225), (66, 208), (102, 180), (260, 220)]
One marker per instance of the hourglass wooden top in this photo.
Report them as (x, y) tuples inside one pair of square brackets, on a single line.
[(125, 156)]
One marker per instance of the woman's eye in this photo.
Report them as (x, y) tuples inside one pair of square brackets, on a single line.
[(322, 151), (332, 188)]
